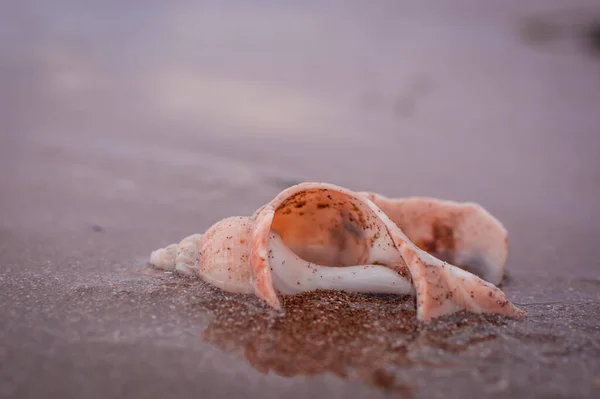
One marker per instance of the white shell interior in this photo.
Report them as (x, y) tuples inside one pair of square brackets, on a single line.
[(326, 239)]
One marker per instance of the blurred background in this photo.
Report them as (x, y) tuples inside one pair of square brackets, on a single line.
[(145, 108), (150, 120)]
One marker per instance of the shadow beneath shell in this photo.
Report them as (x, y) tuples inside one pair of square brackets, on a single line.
[(360, 337)]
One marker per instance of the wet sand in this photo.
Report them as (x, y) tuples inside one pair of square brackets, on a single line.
[(123, 129)]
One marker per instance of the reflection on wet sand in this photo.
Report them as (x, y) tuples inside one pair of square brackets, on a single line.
[(360, 337)]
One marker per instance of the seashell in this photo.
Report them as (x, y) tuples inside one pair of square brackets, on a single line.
[(321, 236)]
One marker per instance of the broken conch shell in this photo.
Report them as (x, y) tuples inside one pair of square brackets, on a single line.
[(321, 236)]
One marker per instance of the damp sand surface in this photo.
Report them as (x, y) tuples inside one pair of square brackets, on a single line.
[(124, 129)]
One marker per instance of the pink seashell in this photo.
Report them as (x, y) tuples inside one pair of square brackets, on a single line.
[(321, 236)]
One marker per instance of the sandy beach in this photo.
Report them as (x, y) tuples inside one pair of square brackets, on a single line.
[(125, 128)]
